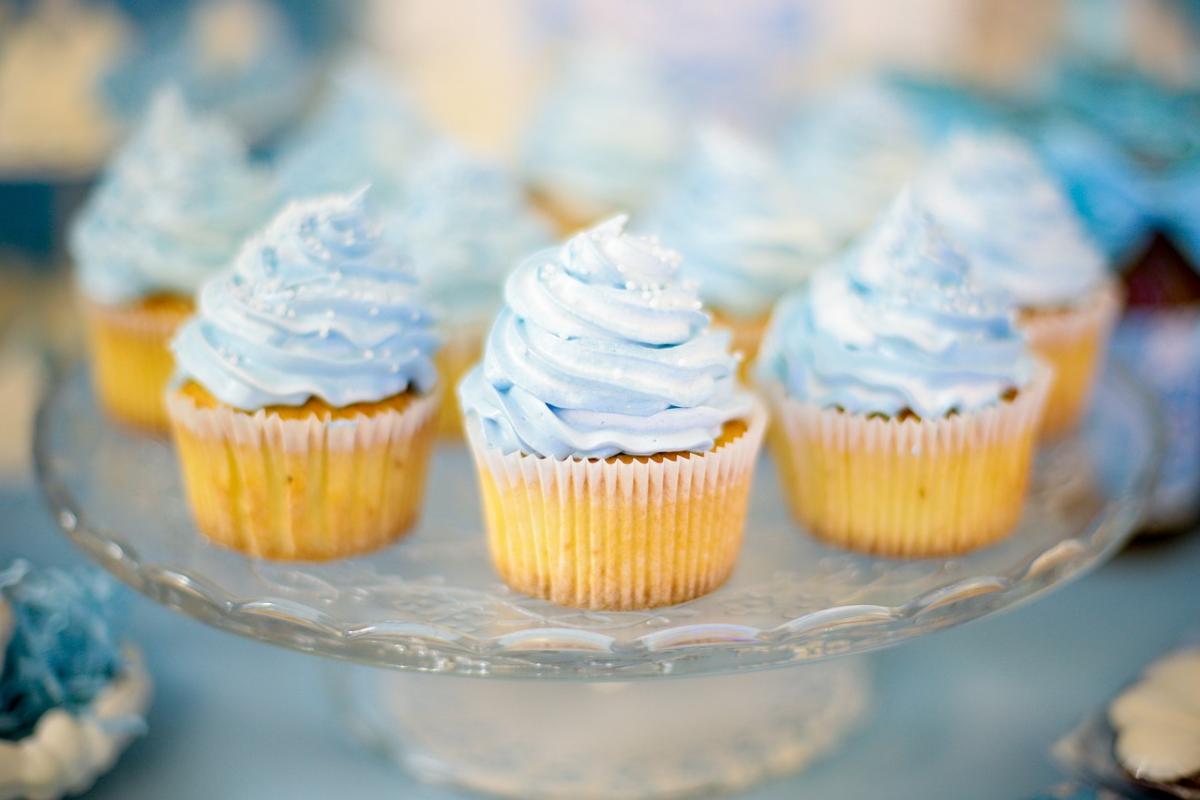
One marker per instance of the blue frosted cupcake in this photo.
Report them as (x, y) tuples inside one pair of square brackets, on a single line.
[(741, 228), (304, 407), (613, 443), (466, 223), (906, 400), (170, 212), (1022, 236), (850, 153), (603, 139)]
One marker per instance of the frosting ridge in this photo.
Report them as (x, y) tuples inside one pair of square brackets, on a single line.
[(317, 305)]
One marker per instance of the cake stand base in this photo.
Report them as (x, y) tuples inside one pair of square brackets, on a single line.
[(572, 739)]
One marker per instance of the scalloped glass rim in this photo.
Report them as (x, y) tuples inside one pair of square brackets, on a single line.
[(431, 603)]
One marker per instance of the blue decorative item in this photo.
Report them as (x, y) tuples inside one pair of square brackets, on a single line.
[(65, 647)]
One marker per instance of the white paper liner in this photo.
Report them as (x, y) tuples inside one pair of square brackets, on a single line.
[(617, 533), (912, 487), (347, 485)]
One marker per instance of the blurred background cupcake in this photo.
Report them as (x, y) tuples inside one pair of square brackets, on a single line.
[(171, 211)]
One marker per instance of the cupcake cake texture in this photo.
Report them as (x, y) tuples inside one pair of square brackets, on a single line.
[(906, 399), (851, 153), (1022, 236), (304, 408), (170, 212), (466, 223), (367, 130), (603, 139), (614, 446), (743, 234)]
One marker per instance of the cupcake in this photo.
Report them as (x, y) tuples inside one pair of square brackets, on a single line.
[(1022, 236), (304, 407), (170, 212), (603, 139), (614, 446), (466, 223), (366, 130), (743, 235), (850, 153), (906, 400)]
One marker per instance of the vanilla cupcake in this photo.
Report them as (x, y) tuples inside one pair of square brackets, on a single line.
[(614, 446), (906, 400), (1022, 236), (304, 409), (742, 232), (602, 139), (466, 223), (170, 212)]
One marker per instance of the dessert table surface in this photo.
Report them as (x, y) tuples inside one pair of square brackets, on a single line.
[(968, 712)]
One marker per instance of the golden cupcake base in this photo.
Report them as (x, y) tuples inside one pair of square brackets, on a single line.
[(306, 483), (130, 358)]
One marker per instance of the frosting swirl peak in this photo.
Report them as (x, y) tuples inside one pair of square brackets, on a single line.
[(600, 351), (315, 306), (897, 326)]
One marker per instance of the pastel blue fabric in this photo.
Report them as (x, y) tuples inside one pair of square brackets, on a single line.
[(171, 209), (65, 643), (604, 136), (466, 223), (744, 234), (318, 305), (599, 351), (897, 325), (1013, 221), (366, 131)]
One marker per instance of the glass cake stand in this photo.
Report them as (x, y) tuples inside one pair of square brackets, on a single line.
[(608, 716)]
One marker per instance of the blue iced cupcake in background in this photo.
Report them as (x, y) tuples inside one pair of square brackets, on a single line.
[(466, 222), (850, 152), (603, 138), (744, 233)]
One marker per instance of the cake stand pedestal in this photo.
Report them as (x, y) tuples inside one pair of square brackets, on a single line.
[(549, 701)]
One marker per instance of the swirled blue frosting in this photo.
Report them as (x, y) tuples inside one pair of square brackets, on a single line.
[(466, 223), (743, 234), (605, 136), (315, 306), (171, 210), (367, 131), (1012, 219), (851, 153), (600, 351), (898, 325)]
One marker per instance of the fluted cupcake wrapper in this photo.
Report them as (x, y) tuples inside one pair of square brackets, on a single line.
[(303, 489), (131, 362), (1073, 342), (907, 487), (460, 350), (618, 533)]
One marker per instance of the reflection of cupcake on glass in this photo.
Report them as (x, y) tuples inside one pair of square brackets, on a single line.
[(1022, 236), (466, 223), (614, 446), (366, 130), (906, 400), (850, 153), (304, 408), (170, 212), (742, 232), (602, 140)]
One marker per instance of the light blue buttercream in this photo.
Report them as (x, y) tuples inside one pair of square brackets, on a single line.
[(1012, 219), (466, 223), (601, 351), (897, 325), (315, 306), (171, 210), (743, 233)]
